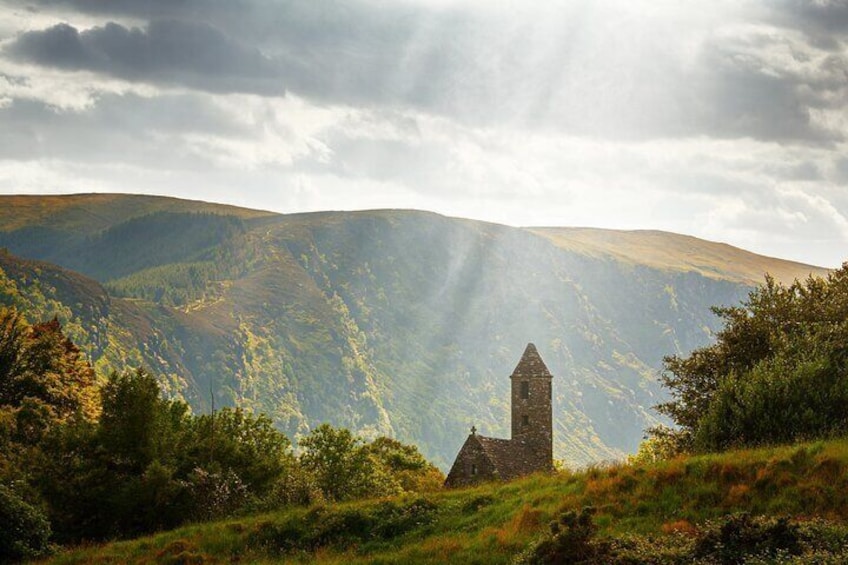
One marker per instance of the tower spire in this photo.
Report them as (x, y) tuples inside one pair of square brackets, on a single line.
[(531, 365)]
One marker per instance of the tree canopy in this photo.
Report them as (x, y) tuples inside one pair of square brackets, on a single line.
[(81, 460), (777, 372)]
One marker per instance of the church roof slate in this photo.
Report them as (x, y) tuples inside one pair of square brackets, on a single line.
[(507, 456)]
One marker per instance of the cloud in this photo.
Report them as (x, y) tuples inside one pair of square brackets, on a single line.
[(824, 21), (727, 120), (610, 70), (167, 51), (770, 84)]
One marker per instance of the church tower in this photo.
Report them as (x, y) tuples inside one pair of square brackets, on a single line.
[(532, 423), (531, 448)]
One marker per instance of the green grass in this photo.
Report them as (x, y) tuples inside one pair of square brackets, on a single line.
[(647, 508)]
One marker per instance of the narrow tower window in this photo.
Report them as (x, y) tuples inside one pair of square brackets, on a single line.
[(525, 389), (525, 420), (473, 469)]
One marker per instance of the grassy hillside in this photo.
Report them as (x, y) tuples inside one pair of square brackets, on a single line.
[(386, 322), (675, 252), (667, 512), (92, 213)]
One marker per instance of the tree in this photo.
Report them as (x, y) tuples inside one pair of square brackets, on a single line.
[(235, 440), (403, 466), (338, 462), (41, 364), (116, 476), (778, 370), (138, 426)]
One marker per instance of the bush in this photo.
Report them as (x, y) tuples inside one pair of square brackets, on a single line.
[(572, 540), (25, 531), (341, 528), (740, 537)]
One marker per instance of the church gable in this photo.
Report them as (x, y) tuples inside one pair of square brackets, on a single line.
[(473, 464)]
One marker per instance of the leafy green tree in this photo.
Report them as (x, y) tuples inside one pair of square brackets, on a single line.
[(338, 461), (403, 466), (345, 467), (147, 464), (116, 477), (138, 426), (777, 372), (237, 441)]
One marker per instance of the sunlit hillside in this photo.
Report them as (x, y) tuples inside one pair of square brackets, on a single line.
[(386, 322), (675, 252)]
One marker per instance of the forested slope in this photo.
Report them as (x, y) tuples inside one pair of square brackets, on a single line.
[(386, 322)]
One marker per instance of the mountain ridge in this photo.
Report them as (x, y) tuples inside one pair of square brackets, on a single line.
[(669, 250), (582, 239)]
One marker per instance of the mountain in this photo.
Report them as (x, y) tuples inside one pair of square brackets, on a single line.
[(387, 322)]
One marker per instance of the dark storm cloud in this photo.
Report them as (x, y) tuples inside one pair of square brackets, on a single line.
[(167, 51)]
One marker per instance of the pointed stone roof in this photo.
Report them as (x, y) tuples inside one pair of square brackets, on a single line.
[(506, 456), (531, 365)]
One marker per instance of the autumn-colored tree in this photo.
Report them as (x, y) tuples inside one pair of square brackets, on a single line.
[(40, 366)]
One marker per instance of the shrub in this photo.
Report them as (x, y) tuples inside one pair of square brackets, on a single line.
[(572, 540), (343, 527), (740, 537), (25, 531)]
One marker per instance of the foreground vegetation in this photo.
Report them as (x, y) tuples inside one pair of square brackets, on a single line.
[(777, 372), (775, 505), (83, 460)]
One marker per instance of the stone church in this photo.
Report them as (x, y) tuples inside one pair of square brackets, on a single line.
[(531, 447)]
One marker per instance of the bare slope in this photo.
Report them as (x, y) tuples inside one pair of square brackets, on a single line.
[(675, 252)]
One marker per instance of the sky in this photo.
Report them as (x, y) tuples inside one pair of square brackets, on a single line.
[(725, 120)]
